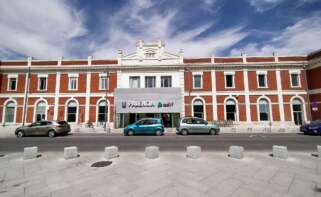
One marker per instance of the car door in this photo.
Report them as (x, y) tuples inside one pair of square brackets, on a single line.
[(200, 126), (140, 128), (193, 127), (32, 130), (43, 128), (147, 126)]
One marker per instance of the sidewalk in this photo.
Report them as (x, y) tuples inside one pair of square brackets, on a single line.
[(214, 174)]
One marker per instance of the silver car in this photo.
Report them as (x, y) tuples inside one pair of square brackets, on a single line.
[(195, 125), (44, 127)]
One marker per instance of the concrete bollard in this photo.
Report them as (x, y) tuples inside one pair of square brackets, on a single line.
[(236, 152), (319, 150), (152, 152), (30, 152), (111, 152), (280, 152), (193, 152), (70, 152)]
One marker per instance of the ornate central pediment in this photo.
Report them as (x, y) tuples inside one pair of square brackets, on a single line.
[(150, 54)]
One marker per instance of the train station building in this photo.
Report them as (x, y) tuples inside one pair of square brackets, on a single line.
[(248, 92)]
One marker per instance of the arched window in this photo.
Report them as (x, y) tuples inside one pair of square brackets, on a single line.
[(297, 110), (198, 108), (102, 111), (72, 111), (10, 112), (264, 110), (41, 111), (230, 109)]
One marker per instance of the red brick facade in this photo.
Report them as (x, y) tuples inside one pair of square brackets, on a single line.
[(213, 92)]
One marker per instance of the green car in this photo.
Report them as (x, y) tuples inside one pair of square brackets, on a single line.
[(148, 126), (194, 125)]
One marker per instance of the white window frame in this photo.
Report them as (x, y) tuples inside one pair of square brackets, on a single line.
[(75, 76), (200, 74), (12, 76), (42, 76), (299, 78), (265, 79), (77, 109), (139, 81), (258, 109), (161, 81), (154, 83), (103, 75), (233, 79)]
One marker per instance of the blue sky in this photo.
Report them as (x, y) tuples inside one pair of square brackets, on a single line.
[(46, 29)]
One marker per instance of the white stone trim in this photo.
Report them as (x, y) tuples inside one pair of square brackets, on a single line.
[(57, 91), (303, 104), (299, 78), (87, 99), (232, 73), (214, 99), (280, 95), (258, 109), (247, 96), (197, 73), (35, 108), (66, 109), (4, 111), (260, 72), (236, 107), (204, 106), (11, 75), (108, 109)]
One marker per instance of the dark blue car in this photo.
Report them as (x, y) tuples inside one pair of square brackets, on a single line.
[(147, 126), (312, 128)]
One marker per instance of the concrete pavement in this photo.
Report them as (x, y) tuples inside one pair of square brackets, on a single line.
[(214, 174)]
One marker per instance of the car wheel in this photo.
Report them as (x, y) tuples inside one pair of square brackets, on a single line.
[(184, 132), (130, 132), (213, 132), (51, 133), (20, 134), (158, 132)]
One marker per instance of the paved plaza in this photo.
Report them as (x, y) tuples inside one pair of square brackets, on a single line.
[(172, 174)]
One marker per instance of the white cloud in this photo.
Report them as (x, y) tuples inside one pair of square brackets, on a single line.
[(264, 5), (136, 21), (38, 28), (301, 38)]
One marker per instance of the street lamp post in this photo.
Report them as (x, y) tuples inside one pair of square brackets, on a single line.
[(26, 98), (106, 95)]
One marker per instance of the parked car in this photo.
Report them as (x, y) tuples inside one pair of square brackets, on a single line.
[(44, 127), (190, 125), (312, 128), (146, 126)]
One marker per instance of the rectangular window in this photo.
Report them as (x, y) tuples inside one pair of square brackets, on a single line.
[(295, 80), (150, 82), (103, 83), (12, 85), (42, 83), (73, 83), (262, 80), (229, 81), (197, 81), (166, 81), (134, 82)]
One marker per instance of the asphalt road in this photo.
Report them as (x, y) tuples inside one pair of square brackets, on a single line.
[(97, 142)]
